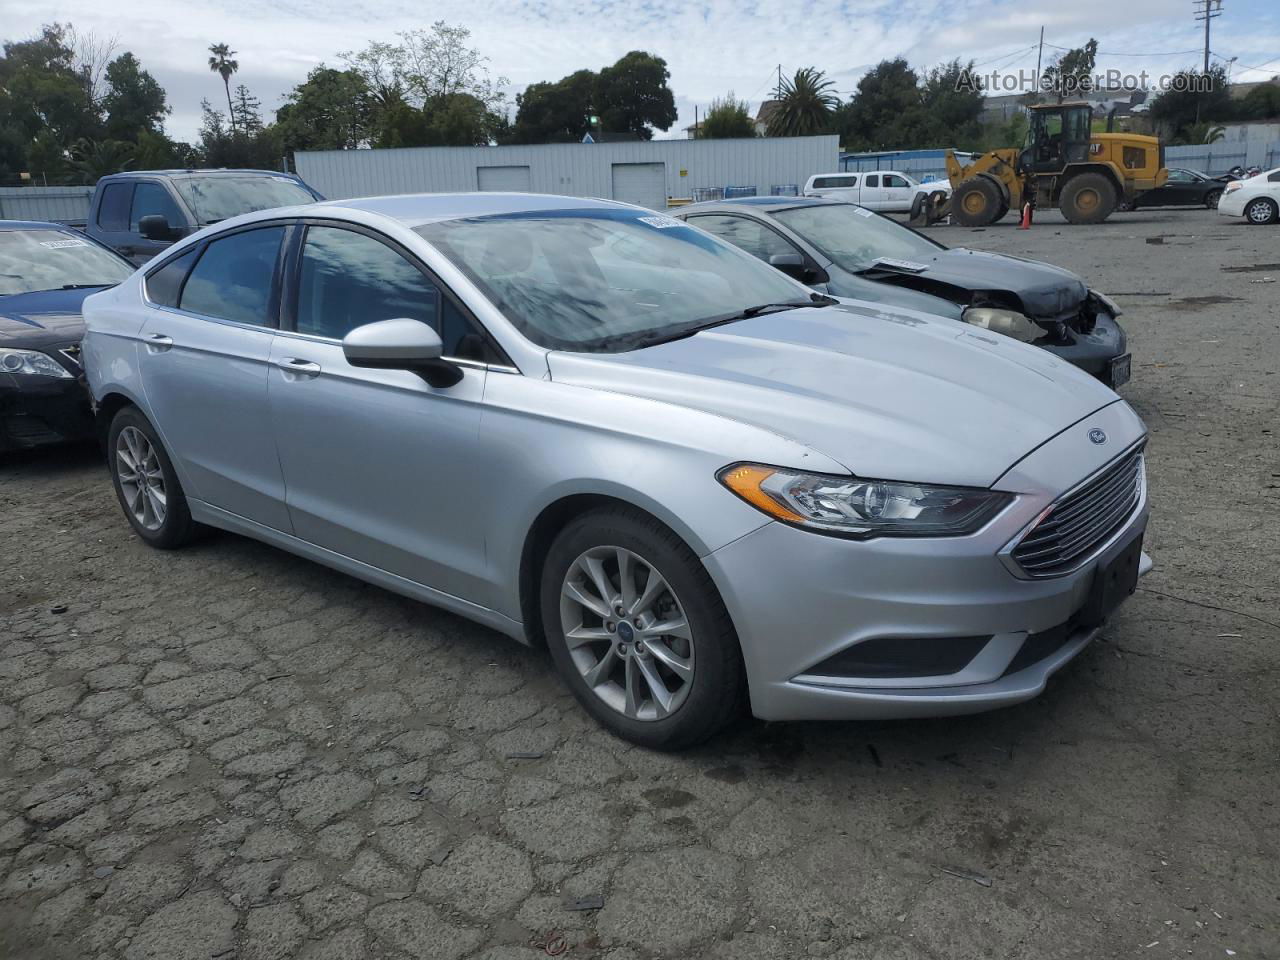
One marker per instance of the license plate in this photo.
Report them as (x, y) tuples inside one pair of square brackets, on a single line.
[(1119, 371), (1114, 580)]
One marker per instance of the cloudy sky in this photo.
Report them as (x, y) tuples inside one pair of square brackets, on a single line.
[(711, 46)]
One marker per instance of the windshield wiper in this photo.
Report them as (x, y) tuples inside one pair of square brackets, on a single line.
[(667, 336), (84, 286)]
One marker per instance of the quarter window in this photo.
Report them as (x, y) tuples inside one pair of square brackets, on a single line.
[(872, 180), (113, 208), (749, 235), (233, 279), (164, 287), (348, 279), (150, 199)]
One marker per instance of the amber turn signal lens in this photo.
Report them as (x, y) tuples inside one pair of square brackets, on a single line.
[(747, 480)]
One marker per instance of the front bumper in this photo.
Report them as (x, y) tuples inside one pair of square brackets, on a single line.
[(1232, 204), (1093, 352), (798, 599), (36, 411)]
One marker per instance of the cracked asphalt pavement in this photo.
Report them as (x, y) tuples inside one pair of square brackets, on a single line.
[(227, 752)]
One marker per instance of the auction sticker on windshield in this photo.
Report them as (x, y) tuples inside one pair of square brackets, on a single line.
[(662, 223), (59, 244)]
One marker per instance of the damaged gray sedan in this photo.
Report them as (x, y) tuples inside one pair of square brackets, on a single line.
[(849, 251)]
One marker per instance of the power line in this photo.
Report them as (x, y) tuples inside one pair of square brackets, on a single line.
[(1108, 53), (1241, 66)]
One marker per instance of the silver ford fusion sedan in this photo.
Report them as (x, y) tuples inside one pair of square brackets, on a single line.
[(600, 429)]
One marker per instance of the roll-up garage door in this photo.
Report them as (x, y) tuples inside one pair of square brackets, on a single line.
[(641, 183), (511, 179)]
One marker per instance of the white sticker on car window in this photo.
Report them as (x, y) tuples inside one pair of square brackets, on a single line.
[(59, 244), (662, 223)]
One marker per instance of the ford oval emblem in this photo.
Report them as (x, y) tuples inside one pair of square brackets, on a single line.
[(1097, 436)]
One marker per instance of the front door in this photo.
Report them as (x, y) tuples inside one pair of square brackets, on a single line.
[(151, 197), (203, 356), (380, 466), (897, 193)]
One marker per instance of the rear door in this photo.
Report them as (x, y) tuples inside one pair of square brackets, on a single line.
[(111, 219), (379, 465), (203, 358), (871, 195)]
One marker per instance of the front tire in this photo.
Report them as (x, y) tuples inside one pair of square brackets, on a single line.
[(146, 484), (1261, 211), (638, 631), (977, 202), (1211, 199), (1087, 198)]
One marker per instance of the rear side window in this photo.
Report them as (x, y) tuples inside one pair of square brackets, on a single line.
[(829, 182), (873, 180), (749, 235), (150, 199), (165, 285), (113, 209), (234, 278)]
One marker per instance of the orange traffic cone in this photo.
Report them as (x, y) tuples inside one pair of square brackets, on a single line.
[(1026, 216)]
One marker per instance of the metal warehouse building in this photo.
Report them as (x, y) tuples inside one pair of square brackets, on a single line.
[(642, 172)]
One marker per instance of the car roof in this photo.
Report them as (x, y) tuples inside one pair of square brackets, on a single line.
[(757, 205), (35, 225), (195, 172), (418, 208)]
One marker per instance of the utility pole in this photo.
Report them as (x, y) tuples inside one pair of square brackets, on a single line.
[(1207, 10), (777, 94), (1039, 56)]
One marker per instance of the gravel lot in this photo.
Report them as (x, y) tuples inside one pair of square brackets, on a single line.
[(228, 752)]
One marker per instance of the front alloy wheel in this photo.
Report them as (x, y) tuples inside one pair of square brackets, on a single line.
[(627, 633)]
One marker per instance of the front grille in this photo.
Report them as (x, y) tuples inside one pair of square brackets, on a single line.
[(1083, 520)]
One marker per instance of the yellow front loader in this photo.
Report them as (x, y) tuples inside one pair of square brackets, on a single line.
[(1064, 164)]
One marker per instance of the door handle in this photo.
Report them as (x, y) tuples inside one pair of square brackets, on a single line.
[(299, 367), (159, 342)]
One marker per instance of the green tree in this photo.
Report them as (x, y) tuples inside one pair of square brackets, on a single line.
[(331, 110), (94, 159), (134, 102), (727, 118), (806, 105), (221, 63), (1192, 97), (885, 111), (557, 112), (246, 111), (1071, 73), (220, 146), (950, 113), (633, 96), (41, 91), (1261, 103)]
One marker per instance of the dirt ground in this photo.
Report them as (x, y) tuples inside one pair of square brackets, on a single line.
[(228, 752)]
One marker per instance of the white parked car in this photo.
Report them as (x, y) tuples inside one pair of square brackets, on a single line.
[(1257, 199), (889, 191)]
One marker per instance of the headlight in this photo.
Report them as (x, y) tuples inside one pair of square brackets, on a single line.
[(1233, 185), (31, 363), (1008, 322), (862, 508)]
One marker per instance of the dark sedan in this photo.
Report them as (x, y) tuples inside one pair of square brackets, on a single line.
[(849, 251), (46, 271), (1184, 188)]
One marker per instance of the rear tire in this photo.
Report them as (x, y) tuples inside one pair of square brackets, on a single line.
[(1087, 198), (146, 484), (977, 202), (1261, 211), (696, 658)]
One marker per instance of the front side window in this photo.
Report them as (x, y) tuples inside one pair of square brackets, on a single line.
[(221, 197), (604, 280), (234, 278), (113, 206), (33, 260), (150, 199), (893, 180), (855, 238), (749, 235)]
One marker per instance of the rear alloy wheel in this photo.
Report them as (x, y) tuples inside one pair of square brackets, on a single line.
[(146, 484), (638, 631), (1087, 198), (1211, 199), (977, 202), (1261, 211)]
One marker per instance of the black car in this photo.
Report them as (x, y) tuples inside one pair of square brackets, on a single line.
[(46, 271), (849, 251), (1184, 188)]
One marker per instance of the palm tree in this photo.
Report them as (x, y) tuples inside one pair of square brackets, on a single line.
[(222, 64), (805, 105), (94, 159)]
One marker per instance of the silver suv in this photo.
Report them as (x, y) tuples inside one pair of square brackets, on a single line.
[(589, 426)]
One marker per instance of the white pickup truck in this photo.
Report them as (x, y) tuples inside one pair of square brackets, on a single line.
[(888, 191)]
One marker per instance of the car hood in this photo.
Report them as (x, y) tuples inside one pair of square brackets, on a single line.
[(891, 394), (42, 317), (1044, 291)]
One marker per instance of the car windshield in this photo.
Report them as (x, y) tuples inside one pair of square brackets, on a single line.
[(33, 260), (217, 198), (606, 280), (854, 237)]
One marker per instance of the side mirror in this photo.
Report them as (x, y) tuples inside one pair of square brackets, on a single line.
[(156, 227), (401, 344), (792, 264)]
